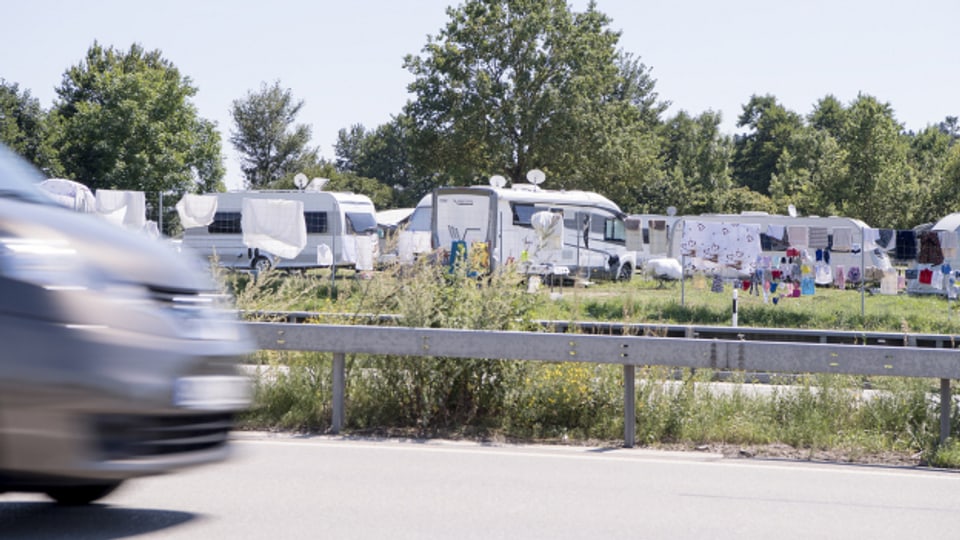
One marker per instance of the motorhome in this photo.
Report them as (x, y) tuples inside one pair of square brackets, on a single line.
[(585, 236), (840, 238), (341, 231)]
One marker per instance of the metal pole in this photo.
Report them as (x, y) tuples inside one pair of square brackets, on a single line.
[(946, 407), (735, 293), (160, 215), (683, 265), (863, 270), (629, 405), (339, 390)]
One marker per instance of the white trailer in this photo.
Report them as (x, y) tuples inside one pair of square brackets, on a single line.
[(844, 235), (341, 231), (590, 242)]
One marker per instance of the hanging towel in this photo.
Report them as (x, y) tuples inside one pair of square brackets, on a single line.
[(324, 255), (949, 244), (776, 231), (930, 252), (819, 237), (125, 208), (798, 236), (196, 210), (842, 239), (906, 245), (274, 225), (888, 239)]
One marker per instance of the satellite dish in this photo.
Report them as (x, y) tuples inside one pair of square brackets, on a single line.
[(300, 180), (671, 210), (536, 177), (317, 184), (792, 210), (498, 181)]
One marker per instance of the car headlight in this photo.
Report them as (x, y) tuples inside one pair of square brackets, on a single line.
[(47, 263)]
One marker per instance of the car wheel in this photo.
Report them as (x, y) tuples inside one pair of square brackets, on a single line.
[(81, 494), (625, 273), (260, 264)]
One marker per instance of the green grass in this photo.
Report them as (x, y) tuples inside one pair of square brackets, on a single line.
[(534, 401)]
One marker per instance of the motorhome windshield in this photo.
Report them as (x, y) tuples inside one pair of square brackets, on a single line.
[(362, 223), (420, 220)]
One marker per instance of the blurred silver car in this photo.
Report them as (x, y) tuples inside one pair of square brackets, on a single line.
[(117, 359)]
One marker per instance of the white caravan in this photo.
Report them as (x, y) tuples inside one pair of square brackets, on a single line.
[(844, 236), (586, 237), (414, 238), (341, 230)]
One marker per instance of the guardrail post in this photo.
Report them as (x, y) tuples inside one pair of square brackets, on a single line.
[(629, 405), (946, 407), (339, 390)]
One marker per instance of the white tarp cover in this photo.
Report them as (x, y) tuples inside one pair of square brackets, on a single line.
[(549, 228), (125, 208), (196, 210), (412, 243), (664, 268), (70, 194), (274, 225), (366, 248)]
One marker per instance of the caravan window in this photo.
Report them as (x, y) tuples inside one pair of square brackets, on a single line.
[(523, 213), (361, 223), (614, 231), (225, 223), (316, 222), (770, 243)]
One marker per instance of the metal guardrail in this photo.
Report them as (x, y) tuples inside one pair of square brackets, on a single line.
[(698, 349), (844, 337)]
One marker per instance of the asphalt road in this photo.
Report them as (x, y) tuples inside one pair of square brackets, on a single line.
[(330, 488)]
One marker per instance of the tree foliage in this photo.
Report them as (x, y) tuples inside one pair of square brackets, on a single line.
[(271, 146), (756, 153), (512, 85), (125, 120), (24, 127)]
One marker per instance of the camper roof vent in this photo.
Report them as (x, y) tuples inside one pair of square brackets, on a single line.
[(526, 187), (753, 213)]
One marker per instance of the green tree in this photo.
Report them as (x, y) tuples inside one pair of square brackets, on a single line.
[(386, 154), (756, 153), (808, 172), (928, 156), (696, 160), (126, 121), (878, 188), (512, 85), (24, 127), (271, 146)]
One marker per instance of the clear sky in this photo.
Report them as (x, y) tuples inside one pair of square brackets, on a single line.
[(344, 58)]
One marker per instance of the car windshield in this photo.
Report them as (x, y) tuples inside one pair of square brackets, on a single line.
[(19, 179)]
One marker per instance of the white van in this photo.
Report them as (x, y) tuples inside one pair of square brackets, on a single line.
[(341, 231), (415, 236), (590, 242)]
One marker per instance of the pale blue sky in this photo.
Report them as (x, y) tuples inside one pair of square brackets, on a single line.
[(344, 58)]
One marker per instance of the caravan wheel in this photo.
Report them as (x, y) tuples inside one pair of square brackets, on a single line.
[(260, 264), (625, 273)]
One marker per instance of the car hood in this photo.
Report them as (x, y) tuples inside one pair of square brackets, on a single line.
[(122, 255)]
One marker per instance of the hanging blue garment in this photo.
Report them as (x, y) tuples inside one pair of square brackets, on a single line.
[(807, 286)]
